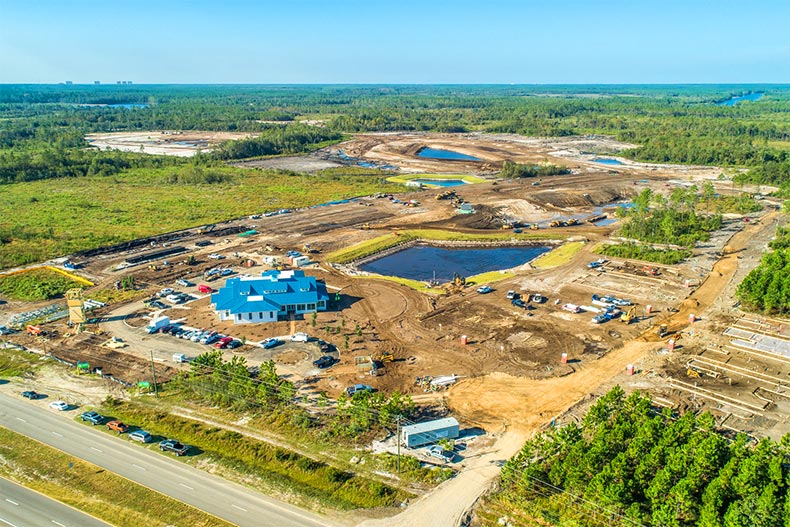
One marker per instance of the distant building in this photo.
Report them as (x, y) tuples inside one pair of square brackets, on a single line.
[(69, 83), (275, 295), (96, 82)]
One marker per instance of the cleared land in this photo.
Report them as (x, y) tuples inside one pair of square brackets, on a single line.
[(163, 142)]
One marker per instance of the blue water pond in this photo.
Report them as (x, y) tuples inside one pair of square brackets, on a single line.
[(422, 261), (740, 98), (607, 161), (434, 153), (441, 182)]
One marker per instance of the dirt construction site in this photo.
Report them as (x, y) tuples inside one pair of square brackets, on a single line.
[(509, 367)]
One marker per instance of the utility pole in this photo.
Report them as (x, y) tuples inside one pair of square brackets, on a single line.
[(153, 372), (397, 438)]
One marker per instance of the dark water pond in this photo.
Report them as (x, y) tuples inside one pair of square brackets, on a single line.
[(421, 261), (434, 153), (441, 182), (736, 100)]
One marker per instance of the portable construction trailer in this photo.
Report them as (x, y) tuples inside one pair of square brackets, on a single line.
[(420, 434)]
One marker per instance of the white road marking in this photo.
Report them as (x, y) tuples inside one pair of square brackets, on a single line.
[(12, 502), (138, 466), (96, 449), (7, 522), (21, 419), (240, 508), (58, 523), (187, 486), (57, 434)]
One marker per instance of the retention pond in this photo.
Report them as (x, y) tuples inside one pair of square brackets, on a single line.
[(435, 153), (422, 262)]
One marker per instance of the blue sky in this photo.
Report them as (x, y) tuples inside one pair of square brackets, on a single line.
[(397, 41)]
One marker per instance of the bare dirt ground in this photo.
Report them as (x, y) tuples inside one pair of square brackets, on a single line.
[(163, 142), (308, 163)]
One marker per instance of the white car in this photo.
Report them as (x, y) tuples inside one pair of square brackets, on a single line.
[(216, 256), (59, 405), (573, 308), (300, 337), (510, 295), (166, 291)]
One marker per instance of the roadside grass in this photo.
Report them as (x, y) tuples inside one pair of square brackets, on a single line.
[(372, 246), (276, 469), (422, 287), (63, 216), (91, 489), (404, 178), (36, 284), (489, 277), (559, 256), (14, 362)]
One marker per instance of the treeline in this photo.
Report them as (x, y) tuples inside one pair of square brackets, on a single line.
[(767, 287), (656, 219), (513, 170), (276, 140), (628, 464), (233, 385)]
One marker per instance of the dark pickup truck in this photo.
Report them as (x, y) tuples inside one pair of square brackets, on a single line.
[(171, 445), (93, 418)]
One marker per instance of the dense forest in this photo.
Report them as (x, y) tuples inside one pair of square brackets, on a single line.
[(42, 127), (628, 464)]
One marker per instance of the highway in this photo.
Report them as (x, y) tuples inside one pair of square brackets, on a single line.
[(22, 507), (226, 500)]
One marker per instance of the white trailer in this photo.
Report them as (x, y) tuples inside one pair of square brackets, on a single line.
[(157, 323), (429, 432)]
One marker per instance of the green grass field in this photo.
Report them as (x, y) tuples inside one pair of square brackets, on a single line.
[(561, 255), (91, 489), (38, 284), (62, 216)]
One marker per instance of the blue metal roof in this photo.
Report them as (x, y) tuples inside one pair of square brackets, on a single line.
[(271, 292)]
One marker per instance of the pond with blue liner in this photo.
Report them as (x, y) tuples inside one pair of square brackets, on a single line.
[(420, 262), (607, 161), (449, 155), (441, 182)]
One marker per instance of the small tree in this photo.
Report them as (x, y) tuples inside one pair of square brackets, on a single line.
[(313, 318), (345, 341)]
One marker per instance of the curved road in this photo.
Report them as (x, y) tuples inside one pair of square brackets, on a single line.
[(22, 507), (226, 500)]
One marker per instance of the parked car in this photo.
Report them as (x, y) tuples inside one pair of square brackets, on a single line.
[(573, 308), (438, 452), (357, 388), (485, 289), (538, 298), (203, 288), (226, 272), (594, 265), (197, 336), (324, 362), (215, 256), (223, 342), (184, 283), (203, 243), (117, 426), (174, 298), (208, 337), (158, 305), (171, 445), (141, 436), (166, 291), (517, 302), (233, 344), (300, 337), (59, 405), (94, 418), (270, 343), (174, 329), (325, 347), (510, 295), (30, 394)]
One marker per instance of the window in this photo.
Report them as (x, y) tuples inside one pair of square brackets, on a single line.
[(311, 307), (238, 316), (300, 307)]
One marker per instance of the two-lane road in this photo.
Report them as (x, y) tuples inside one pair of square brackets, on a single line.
[(22, 507), (226, 500)]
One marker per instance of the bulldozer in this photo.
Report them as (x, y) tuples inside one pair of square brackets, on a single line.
[(693, 372), (628, 316), (387, 356), (365, 226), (534, 227), (663, 331)]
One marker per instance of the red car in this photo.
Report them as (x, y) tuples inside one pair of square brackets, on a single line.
[(223, 342), (203, 288)]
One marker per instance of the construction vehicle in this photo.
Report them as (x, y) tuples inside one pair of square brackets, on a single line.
[(309, 249), (693, 372), (35, 331), (458, 280), (629, 315), (650, 271), (365, 226), (447, 194), (534, 227), (663, 331), (387, 356), (207, 228)]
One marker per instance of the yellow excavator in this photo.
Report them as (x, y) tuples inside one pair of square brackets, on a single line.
[(387, 356), (629, 315)]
